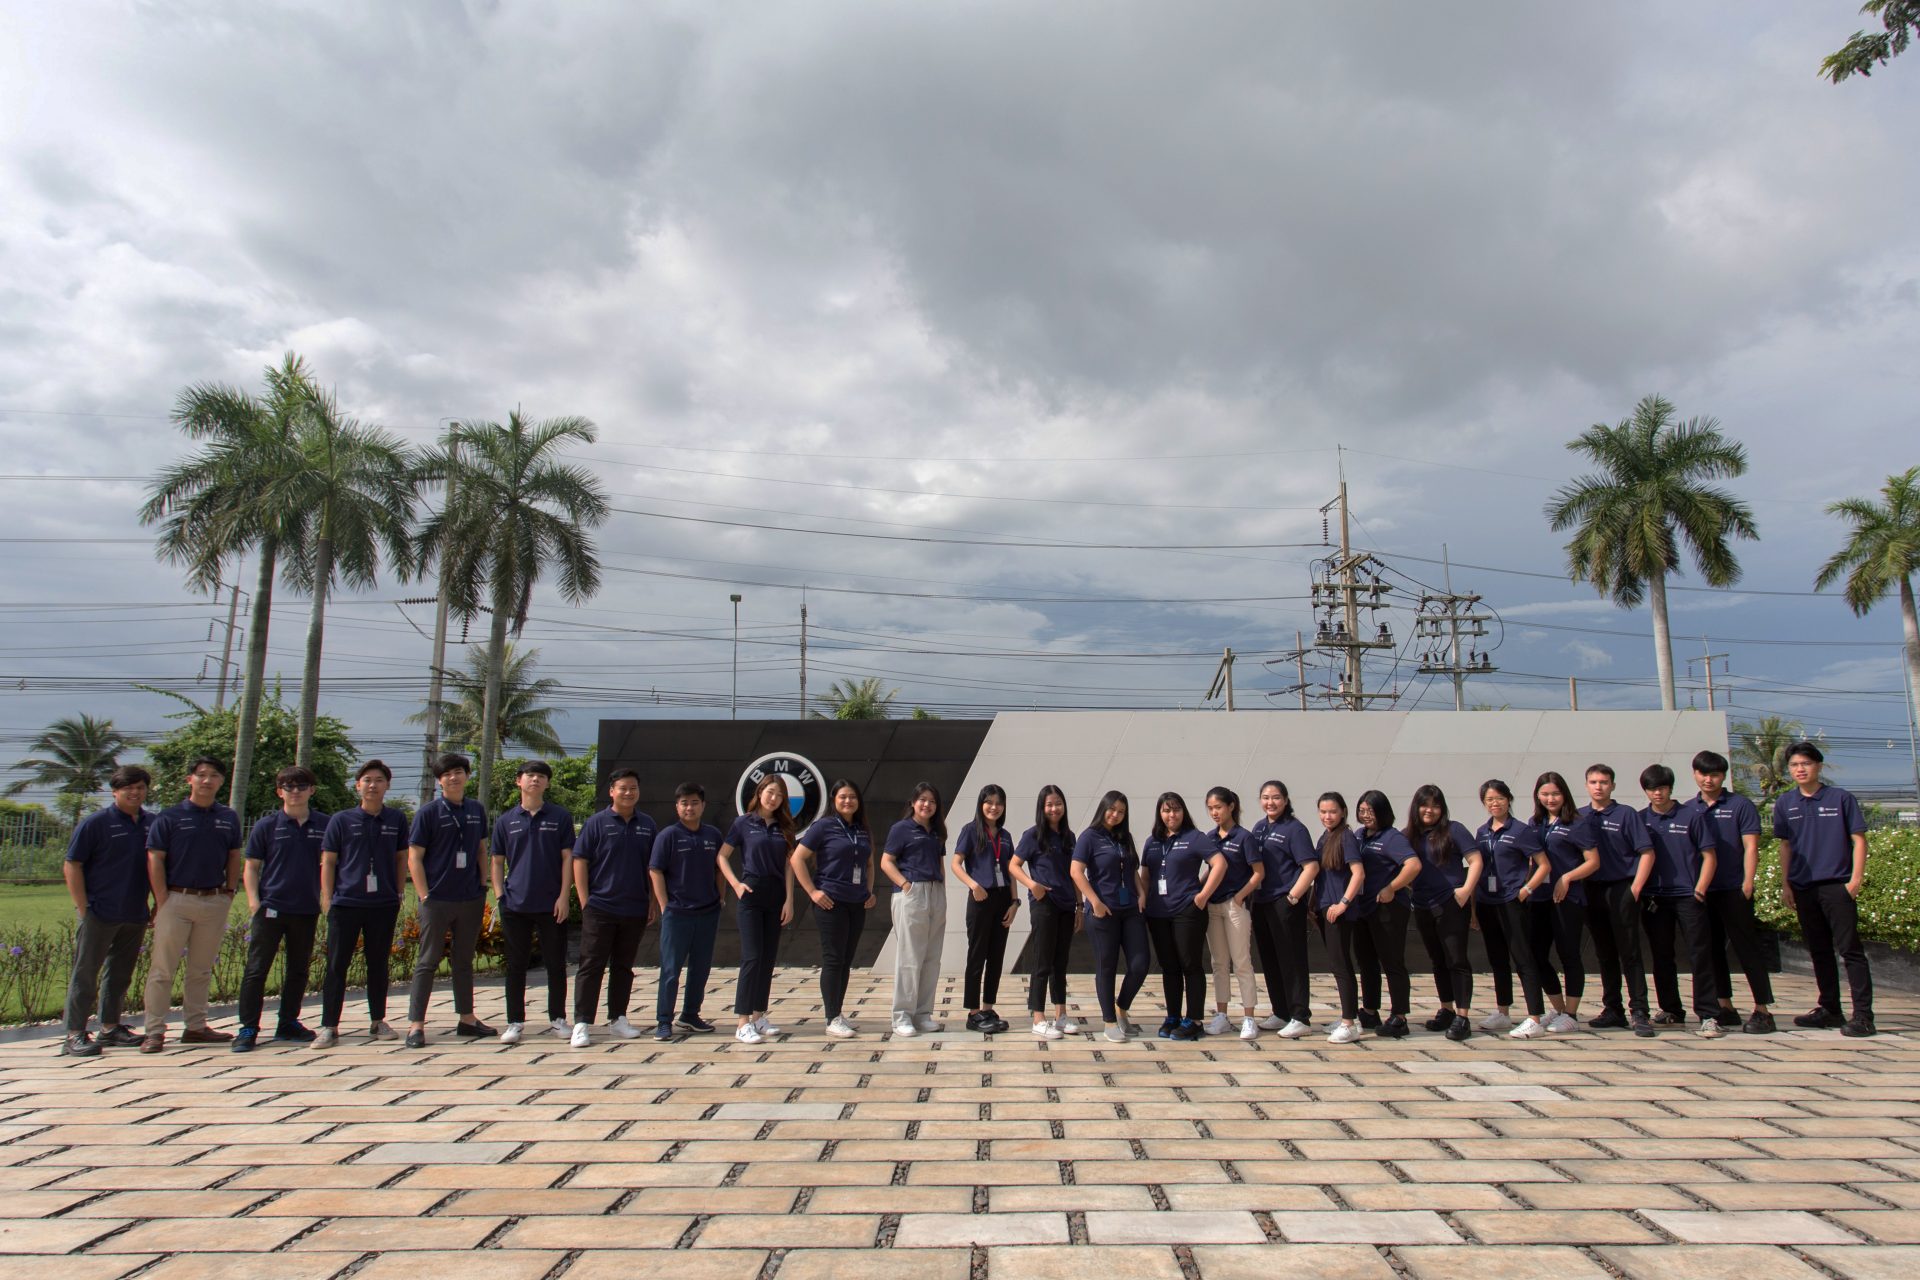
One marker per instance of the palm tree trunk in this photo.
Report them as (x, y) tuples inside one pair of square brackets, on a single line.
[(310, 679), (1910, 624), (1662, 638), (254, 686), (490, 703)]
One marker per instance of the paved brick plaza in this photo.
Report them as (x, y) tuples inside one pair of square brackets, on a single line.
[(1792, 1155)]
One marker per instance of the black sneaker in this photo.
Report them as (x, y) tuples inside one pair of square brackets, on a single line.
[(1609, 1020), (1188, 1030), (416, 1039), (1667, 1018), (1441, 1020), (1168, 1028), (80, 1045), (1819, 1018), (475, 1031), (1760, 1024), (1727, 1017), (1858, 1027), (1460, 1030), (295, 1032), (994, 1025), (693, 1022), (974, 1020), (1642, 1026), (121, 1037), (1394, 1028), (1369, 1020)]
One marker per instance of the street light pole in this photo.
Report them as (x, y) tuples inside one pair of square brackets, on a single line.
[(733, 703)]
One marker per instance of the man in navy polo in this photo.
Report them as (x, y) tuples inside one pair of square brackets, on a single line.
[(686, 894), (532, 847), (106, 873), (1675, 901), (363, 862), (1823, 865), (1613, 902), (445, 851), (283, 892), (1733, 824), (193, 865), (616, 901)]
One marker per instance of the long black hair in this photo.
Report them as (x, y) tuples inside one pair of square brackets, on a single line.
[(1333, 840), (992, 791), (1435, 839), (859, 818), (1045, 832), (939, 827), (1122, 834), (1160, 831), (1568, 807), (1376, 803)]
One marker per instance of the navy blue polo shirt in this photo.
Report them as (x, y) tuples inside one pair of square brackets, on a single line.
[(763, 848), (1385, 853), (1110, 868), (1820, 829), (196, 842), (1567, 844), (1047, 862), (618, 853), (915, 850), (1237, 847), (1678, 837), (365, 844), (1729, 819), (451, 835), (1622, 836), (534, 845), (1331, 886), (289, 856), (684, 857), (984, 857), (112, 848), (1285, 847), (1506, 859), (842, 858), (1441, 876), (1177, 868)]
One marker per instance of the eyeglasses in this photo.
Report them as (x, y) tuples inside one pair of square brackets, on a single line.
[(296, 786)]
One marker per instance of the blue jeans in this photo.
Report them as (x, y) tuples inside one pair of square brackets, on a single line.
[(686, 943)]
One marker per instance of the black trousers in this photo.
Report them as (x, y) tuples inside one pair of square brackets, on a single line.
[(1494, 936), (1120, 934), (268, 933), (840, 931), (1684, 918), (1830, 924), (1052, 942), (518, 929), (1443, 928), (1514, 918), (1381, 946), (608, 944), (1338, 937), (1280, 934), (1731, 922), (986, 946), (1613, 917), (759, 917), (100, 942), (346, 926), (1556, 927), (1180, 944)]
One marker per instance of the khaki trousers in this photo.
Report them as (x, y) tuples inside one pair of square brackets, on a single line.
[(193, 924)]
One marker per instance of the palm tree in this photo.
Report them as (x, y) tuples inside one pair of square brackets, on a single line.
[(353, 489), (80, 755), (858, 699), (210, 511), (521, 720), (1649, 497), (1883, 553), (515, 512), (1760, 752)]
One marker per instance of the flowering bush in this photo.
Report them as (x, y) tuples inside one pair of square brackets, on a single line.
[(1889, 900)]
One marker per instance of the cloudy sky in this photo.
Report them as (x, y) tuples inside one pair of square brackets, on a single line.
[(856, 291)]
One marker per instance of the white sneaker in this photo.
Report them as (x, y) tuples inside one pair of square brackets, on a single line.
[(325, 1038), (582, 1036), (840, 1029), (512, 1034), (1272, 1022), (1115, 1033), (1495, 1021), (1046, 1030), (379, 1030), (1293, 1030), (1345, 1033), (1561, 1023), (765, 1027), (904, 1027), (1218, 1025), (1711, 1029), (624, 1029), (748, 1034), (559, 1028), (1249, 1029), (1531, 1029), (1068, 1027)]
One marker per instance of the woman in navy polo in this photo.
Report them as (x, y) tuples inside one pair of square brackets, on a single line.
[(1281, 906), (1557, 921), (1182, 871), (1106, 870), (1341, 897), (981, 855), (834, 866), (1229, 915), (1514, 866), (1042, 862), (911, 861), (1382, 946), (1450, 869), (764, 835)]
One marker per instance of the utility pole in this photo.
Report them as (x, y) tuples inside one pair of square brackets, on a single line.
[(1573, 694), (226, 650), (1338, 591), (1453, 616), (437, 672), (1709, 659), (803, 653), (1223, 678), (1300, 665), (733, 703)]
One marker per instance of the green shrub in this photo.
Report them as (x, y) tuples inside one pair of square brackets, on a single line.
[(1889, 900)]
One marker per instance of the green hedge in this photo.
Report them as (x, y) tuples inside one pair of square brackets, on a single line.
[(1889, 901)]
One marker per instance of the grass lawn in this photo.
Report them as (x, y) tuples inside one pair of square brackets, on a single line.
[(33, 906)]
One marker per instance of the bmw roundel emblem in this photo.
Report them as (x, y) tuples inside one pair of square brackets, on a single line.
[(806, 786)]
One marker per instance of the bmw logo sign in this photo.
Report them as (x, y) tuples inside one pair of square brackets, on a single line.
[(806, 785)]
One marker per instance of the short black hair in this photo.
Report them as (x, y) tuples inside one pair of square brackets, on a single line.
[(1709, 762), (295, 775), (686, 789), (447, 763), (374, 766), (540, 767), (129, 775), (1808, 750), (621, 774), (1655, 775), (1605, 770), (209, 762)]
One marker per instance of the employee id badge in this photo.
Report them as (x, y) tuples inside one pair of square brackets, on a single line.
[(373, 883), (1162, 882), (272, 914), (460, 860), (1493, 882), (857, 869), (999, 876)]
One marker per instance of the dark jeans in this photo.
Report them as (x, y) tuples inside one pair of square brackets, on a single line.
[(1613, 917), (1443, 928), (759, 916), (1730, 920), (100, 942), (840, 931), (1381, 945), (986, 946), (268, 932), (1665, 917), (519, 928), (1556, 927), (1052, 942), (1180, 943), (608, 944), (346, 926), (1280, 934), (1120, 933), (686, 947), (1338, 937), (437, 920), (1829, 923)]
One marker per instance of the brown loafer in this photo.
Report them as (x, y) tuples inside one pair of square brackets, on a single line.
[(204, 1035), (154, 1042)]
